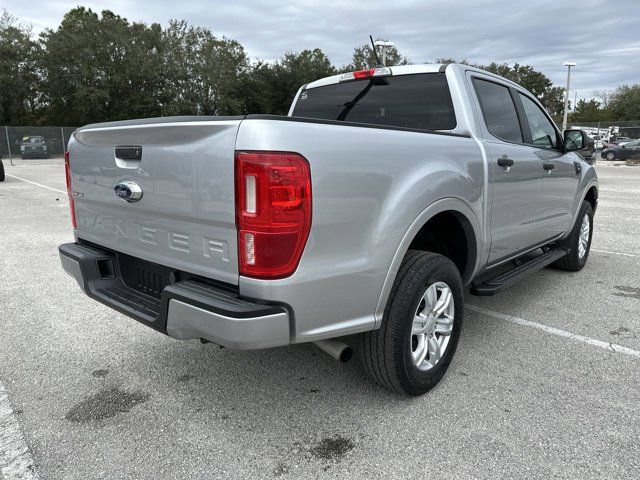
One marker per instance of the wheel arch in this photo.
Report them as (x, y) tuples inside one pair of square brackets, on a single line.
[(444, 210), (591, 196)]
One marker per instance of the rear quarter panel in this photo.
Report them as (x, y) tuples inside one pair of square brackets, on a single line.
[(370, 186)]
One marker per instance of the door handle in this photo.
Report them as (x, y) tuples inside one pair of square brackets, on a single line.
[(129, 153), (548, 166), (505, 162)]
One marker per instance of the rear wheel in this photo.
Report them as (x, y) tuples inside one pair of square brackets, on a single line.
[(421, 326), (578, 242), (1, 171)]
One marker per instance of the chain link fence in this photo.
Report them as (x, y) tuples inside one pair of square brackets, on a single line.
[(27, 144)]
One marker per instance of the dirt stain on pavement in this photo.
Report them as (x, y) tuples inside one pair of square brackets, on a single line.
[(105, 404), (625, 291), (332, 448), (281, 469), (102, 372)]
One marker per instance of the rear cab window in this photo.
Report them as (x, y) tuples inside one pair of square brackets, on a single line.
[(419, 101)]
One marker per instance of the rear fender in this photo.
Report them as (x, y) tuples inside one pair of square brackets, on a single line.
[(443, 205)]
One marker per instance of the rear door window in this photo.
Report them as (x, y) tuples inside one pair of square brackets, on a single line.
[(498, 110), (420, 101)]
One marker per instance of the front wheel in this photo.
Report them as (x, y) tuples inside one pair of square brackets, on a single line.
[(1, 171), (421, 326), (611, 156), (578, 242)]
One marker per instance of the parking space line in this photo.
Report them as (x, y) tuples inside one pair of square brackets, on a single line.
[(35, 183), (615, 253), (612, 347), (16, 462)]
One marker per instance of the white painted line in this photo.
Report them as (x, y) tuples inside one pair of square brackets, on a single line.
[(612, 347), (36, 184), (16, 462), (615, 253)]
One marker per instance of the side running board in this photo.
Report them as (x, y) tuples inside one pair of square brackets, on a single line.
[(491, 286)]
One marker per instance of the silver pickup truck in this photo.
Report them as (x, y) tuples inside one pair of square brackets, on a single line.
[(355, 222)]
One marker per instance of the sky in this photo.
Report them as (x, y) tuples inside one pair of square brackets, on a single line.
[(602, 37)]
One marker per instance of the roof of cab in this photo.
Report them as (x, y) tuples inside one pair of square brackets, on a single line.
[(411, 69)]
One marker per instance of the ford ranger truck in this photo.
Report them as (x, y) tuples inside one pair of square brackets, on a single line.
[(356, 222)]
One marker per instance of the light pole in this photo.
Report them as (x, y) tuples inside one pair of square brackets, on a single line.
[(566, 94), (384, 45)]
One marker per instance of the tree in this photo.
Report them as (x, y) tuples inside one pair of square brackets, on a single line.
[(553, 101), (624, 103), (536, 82), (449, 60), (19, 82), (270, 88), (203, 72), (363, 57), (99, 68), (588, 111)]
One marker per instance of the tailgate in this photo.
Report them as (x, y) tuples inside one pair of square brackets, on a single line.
[(185, 218)]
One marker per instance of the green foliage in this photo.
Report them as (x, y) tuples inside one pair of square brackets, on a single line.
[(588, 111), (553, 101), (19, 92), (536, 82), (202, 72), (97, 68), (624, 102), (270, 88)]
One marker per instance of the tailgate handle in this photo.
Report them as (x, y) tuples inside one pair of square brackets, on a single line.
[(129, 153)]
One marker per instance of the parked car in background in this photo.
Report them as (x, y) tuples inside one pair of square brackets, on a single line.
[(34, 147), (616, 141), (622, 152)]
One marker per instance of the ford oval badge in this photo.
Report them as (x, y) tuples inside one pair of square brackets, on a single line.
[(128, 191)]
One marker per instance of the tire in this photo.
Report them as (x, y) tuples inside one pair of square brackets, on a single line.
[(611, 156), (386, 355), (1, 171), (576, 257)]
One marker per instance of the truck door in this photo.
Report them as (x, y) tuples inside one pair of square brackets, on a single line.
[(514, 171), (559, 176)]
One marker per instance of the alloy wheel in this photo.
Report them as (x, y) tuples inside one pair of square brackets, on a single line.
[(432, 326)]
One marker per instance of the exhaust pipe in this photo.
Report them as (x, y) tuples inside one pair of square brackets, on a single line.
[(338, 350)]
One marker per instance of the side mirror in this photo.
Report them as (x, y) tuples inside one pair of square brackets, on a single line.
[(574, 140)]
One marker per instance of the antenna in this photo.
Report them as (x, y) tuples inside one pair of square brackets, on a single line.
[(373, 45)]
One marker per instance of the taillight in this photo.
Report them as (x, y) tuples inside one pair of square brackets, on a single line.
[(273, 212), (67, 172)]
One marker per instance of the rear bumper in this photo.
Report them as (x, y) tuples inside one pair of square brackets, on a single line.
[(183, 309)]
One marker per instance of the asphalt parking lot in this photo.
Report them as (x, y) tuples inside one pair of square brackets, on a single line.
[(535, 390)]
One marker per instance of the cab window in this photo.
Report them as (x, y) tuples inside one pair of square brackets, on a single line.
[(543, 133), (498, 110)]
